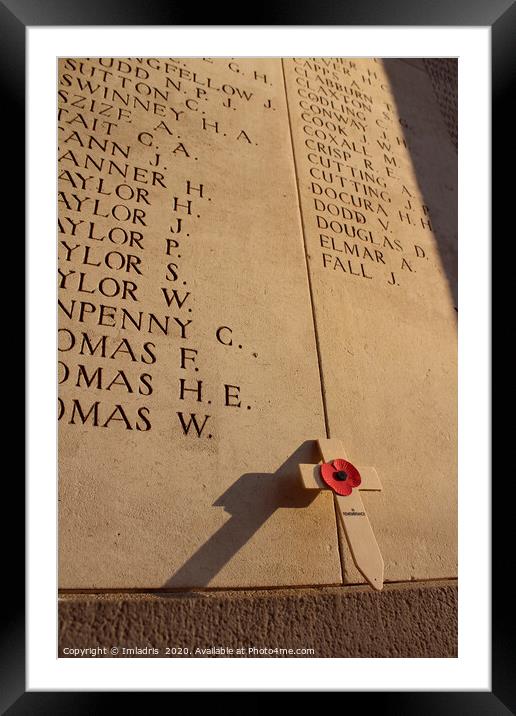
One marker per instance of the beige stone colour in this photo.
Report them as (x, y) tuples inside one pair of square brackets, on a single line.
[(206, 153), (253, 253), (376, 172), (350, 511)]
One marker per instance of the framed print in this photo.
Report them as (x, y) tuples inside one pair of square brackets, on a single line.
[(257, 319)]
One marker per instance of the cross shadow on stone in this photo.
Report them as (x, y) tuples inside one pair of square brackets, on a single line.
[(250, 501)]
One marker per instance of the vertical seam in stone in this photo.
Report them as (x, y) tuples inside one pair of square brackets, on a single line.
[(310, 291), (305, 250)]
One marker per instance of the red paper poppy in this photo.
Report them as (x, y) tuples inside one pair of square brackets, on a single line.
[(341, 476)]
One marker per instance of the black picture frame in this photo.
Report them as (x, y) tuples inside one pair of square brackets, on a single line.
[(15, 16)]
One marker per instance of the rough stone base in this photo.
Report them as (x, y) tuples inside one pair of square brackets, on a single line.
[(404, 620)]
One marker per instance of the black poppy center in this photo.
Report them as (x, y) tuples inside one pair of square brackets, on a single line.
[(340, 475)]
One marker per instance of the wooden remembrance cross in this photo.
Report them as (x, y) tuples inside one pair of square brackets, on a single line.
[(345, 480)]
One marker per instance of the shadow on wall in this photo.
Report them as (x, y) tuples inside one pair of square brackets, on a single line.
[(254, 497), (427, 156), (250, 501)]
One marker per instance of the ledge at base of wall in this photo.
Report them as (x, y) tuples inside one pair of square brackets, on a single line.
[(416, 619)]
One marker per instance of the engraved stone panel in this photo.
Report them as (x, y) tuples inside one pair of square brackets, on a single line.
[(188, 371), (377, 182), (253, 254)]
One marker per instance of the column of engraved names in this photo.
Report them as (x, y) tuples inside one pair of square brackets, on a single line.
[(131, 196), (107, 338), (365, 206)]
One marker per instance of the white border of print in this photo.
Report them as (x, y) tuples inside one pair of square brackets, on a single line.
[(471, 670)]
